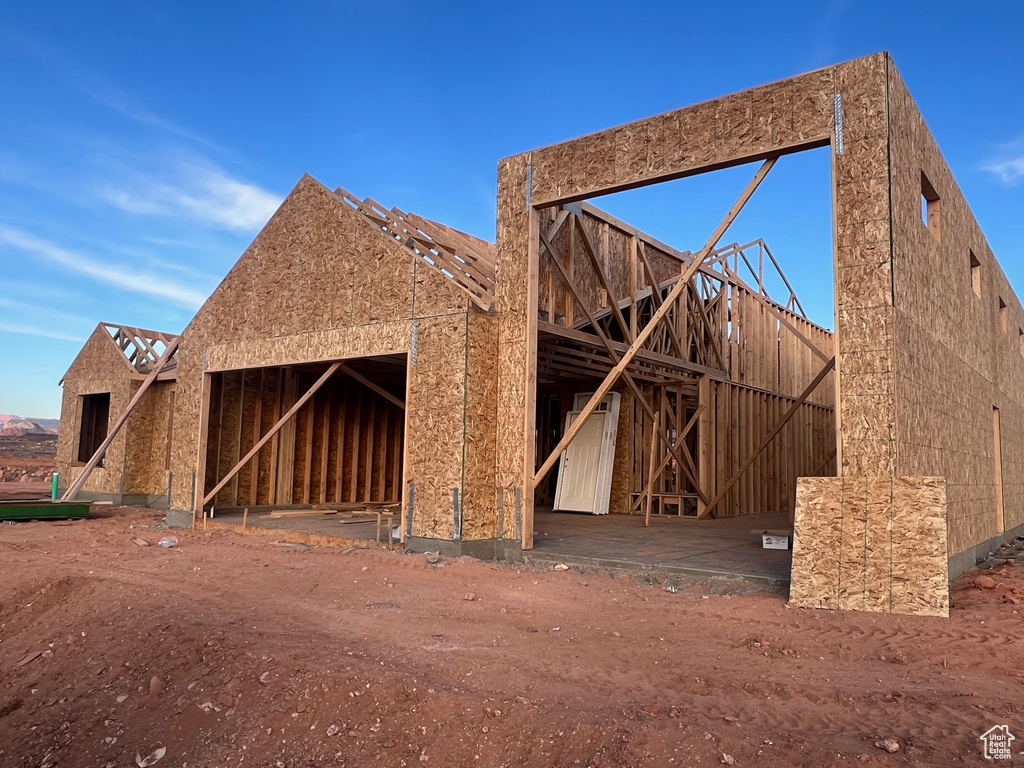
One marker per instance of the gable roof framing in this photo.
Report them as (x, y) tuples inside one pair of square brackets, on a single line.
[(467, 260)]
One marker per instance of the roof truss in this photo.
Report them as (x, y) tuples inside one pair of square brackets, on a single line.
[(142, 348), (465, 259)]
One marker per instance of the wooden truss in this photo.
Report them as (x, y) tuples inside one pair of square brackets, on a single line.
[(142, 349), (465, 259)]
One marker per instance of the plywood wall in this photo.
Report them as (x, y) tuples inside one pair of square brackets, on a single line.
[(148, 433), (871, 544), (955, 357)]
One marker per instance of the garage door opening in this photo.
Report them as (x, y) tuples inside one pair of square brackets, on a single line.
[(334, 468)]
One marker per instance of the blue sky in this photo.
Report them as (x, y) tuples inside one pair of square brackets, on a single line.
[(143, 145)]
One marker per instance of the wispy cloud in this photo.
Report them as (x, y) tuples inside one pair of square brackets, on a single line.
[(1009, 170), (123, 276), (192, 188), (131, 108), (46, 333), (34, 320), (1008, 161)]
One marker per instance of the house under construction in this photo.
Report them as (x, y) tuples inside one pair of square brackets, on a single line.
[(357, 355)]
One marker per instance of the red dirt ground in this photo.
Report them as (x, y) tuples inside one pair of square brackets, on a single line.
[(230, 650), (25, 490)]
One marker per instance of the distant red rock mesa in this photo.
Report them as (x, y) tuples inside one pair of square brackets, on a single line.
[(18, 426)]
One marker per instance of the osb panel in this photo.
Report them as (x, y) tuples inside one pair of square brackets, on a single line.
[(513, 353), (334, 344), (318, 282), (436, 423), (106, 478), (872, 544), (744, 125), (98, 358), (145, 467), (99, 367), (814, 579), (954, 362), (479, 514)]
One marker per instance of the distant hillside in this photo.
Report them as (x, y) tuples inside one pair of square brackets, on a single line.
[(16, 426)]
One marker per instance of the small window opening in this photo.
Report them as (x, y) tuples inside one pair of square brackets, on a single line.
[(931, 207), (1002, 314), (1020, 337), (975, 274), (93, 429)]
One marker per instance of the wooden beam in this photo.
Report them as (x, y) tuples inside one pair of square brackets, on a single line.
[(368, 458), (645, 355), (257, 424), (199, 478), (91, 464), (238, 434), (771, 436), (325, 439), (307, 473), (342, 416), (680, 286), (273, 431), (357, 420), (367, 383)]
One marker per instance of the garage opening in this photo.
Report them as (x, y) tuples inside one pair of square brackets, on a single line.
[(727, 395), (335, 468)]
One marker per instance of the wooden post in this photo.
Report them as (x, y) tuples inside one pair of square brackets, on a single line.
[(650, 470)]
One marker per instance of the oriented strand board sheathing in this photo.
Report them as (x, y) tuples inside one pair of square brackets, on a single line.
[(318, 283), (147, 432), (333, 344), (871, 544), (516, 347), (479, 513), (99, 367), (953, 360), (436, 423)]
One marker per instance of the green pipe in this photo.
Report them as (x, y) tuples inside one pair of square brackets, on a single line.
[(53, 493)]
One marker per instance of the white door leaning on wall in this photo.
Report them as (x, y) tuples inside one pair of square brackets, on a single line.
[(585, 467)]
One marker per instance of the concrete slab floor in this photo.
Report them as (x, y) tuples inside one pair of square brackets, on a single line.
[(325, 525), (714, 547)]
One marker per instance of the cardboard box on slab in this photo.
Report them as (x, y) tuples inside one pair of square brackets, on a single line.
[(775, 539)]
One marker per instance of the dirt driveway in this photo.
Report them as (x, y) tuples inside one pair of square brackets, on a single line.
[(230, 650)]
